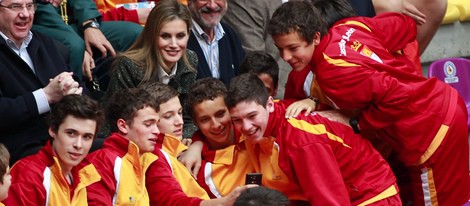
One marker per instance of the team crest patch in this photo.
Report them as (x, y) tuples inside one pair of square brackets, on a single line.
[(450, 71), (365, 51)]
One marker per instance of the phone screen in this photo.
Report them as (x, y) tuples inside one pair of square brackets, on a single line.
[(253, 178)]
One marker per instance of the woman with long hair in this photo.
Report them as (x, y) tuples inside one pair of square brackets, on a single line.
[(159, 55)]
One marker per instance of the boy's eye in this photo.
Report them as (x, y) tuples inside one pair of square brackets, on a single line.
[(88, 137), (71, 133), (293, 48), (203, 120), (220, 114)]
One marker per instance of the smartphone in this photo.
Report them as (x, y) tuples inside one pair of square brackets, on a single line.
[(253, 178)]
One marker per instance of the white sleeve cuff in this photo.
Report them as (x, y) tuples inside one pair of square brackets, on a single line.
[(41, 101)]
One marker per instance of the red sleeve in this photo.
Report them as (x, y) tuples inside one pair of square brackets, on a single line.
[(295, 83), (318, 174), (121, 14), (101, 192), (163, 188), (198, 136), (26, 187), (381, 98), (395, 29)]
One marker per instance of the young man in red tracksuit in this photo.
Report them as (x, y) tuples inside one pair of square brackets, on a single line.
[(127, 153), (53, 176), (355, 64), (332, 165), (180, 188), (170, 142), (226, 156)]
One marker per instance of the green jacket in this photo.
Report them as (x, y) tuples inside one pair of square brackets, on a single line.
[(78, 11), (127, 74)]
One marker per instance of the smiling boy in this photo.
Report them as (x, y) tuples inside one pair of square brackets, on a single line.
[(224, 157), (52, 177), (332, 165)]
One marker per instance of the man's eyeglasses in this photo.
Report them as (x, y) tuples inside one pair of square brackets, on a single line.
[(19, 7)]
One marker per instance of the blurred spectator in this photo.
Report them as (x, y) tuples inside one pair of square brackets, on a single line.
[(5, 177), (77, 24), (216, 44), (250, 19)]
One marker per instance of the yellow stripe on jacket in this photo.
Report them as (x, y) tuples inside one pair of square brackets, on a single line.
[(131, 188), (59, 191), (228, 169), (316, 129), (264, 156)]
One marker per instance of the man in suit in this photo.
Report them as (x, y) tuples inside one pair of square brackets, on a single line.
[(216, 44), (33, 78), (77, 24)]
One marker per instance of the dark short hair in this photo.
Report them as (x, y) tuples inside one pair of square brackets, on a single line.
[(4, 161), (297, 16), (260, 62), (204, 89), (160, 92), (246, 88), (78, 106), (333, 10), (125, 103), (261, 196)]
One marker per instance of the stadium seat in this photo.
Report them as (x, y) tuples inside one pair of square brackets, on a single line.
[(452, 14), (464, 9), (456, 73)]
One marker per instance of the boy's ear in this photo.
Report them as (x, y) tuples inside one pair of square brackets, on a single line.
[(52, 133), (270, 104), (316, 38), (122, 126)]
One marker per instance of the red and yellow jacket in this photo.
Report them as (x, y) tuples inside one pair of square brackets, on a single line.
[(171, 147), (122, 172), (162, 186), (264, 156), (331, 164), (356, 69), (224, 169), (38, 180)]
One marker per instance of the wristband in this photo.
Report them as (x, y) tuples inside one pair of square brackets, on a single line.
[(316, 100)]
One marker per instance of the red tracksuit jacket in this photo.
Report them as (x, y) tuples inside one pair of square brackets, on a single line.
[(332, 165), (356, 68)]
